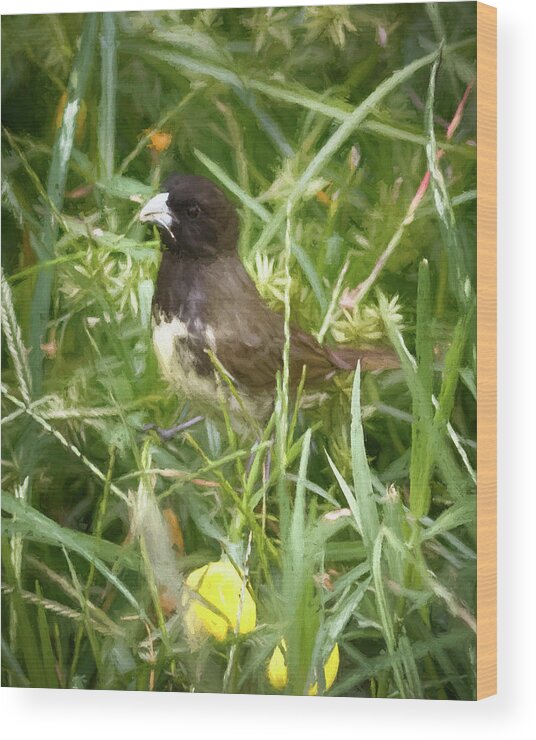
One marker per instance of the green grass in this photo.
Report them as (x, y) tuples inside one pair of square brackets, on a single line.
[(354, 521)]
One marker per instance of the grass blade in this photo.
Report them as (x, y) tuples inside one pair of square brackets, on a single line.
[(337, 139), (459, 280), (423, 434), (107, 104), (364, 495), (253, 205), (40, 526), (17, 350), (24, 640), (49, 660), (57, 177)]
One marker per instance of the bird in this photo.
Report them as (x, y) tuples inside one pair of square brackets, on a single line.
[(210, 320)]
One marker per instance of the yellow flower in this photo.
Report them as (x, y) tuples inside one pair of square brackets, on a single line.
[(278, 672), (220, 585), (160, 141)]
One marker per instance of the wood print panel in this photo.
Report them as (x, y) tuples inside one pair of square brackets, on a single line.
[(248, 351)]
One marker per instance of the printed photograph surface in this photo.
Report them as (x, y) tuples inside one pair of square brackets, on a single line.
[(239, 351)]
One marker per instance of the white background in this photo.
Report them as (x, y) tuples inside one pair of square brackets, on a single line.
[(85, 714)]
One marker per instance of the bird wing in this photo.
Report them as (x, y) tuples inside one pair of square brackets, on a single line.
[(254, 358), (249, 338)]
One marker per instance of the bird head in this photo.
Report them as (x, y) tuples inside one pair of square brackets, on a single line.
[(193, 217)]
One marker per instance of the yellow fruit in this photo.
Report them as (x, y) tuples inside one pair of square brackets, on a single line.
[(278, 672), (331, 667), (220, 585), (277, 669)]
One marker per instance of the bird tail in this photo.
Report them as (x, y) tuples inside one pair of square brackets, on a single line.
[(379, 358)]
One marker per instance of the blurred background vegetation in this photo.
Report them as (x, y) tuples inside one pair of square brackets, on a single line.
[(349, 526)]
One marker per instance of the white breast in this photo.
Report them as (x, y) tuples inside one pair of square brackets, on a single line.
[(177, 362), (178, 368), (164, 335)]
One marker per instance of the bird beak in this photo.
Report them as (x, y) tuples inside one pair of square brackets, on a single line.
[(157, 211)]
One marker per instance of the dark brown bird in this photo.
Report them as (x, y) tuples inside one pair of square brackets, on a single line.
[(205, 302)]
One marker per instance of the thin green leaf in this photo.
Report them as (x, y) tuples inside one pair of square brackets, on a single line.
[(368, 512), (423, 434), (337, 139), (233, 187), (49, 661), (459, 279), (462, 512), (38, 526), (107, 104), (57, 177)]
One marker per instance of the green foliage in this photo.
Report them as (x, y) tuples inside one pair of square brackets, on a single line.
[(352, 522)]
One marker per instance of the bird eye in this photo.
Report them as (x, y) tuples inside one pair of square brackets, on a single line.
[(193, 211)]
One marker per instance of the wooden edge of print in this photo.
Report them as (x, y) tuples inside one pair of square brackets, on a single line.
[(486, 659)]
